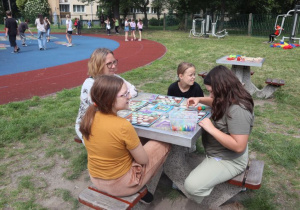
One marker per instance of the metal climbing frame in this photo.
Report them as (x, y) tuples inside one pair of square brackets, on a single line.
[(205, 28)]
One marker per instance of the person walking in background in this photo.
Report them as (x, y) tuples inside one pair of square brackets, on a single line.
[(76, 25), (11, 30), (22, 28), (79, 26), (140, 27), (132, 29), (89, 23), (69, 30), (108, 26), (116, 21), (126, 29), (41, 27), (48, 29)]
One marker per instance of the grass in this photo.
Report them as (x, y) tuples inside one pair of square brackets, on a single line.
[(36, 135)]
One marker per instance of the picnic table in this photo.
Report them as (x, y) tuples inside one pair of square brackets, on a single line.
[(177, 166), (241, 68)]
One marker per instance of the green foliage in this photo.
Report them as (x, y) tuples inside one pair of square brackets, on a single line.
[(35, 7), (155, 22)]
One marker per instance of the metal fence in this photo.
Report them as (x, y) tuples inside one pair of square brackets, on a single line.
[(235, 24)]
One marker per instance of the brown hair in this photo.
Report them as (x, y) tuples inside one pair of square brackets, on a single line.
[(40, 16), (227, 90), (8, 13), (103, 93), (183, 66), (96, 63)]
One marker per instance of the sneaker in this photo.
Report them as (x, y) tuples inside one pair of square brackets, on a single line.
[(18, 49), (140, 40), (131, 39), (126, 40), (41, 48), (14, 52), (24, 45), (147, 199)]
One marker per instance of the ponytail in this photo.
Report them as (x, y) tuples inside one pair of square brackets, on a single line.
[(87, 121)]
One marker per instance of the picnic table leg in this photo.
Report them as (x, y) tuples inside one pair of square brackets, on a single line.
[(176, 167), (243, 73)]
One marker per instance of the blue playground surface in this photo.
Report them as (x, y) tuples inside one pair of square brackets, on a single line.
[(31, 58)]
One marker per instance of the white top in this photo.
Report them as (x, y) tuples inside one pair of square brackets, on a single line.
[(132, 24), (86, 101), (39, 26), (69, 24), (140, 25)]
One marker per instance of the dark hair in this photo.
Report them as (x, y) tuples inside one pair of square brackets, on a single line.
[(8, 13), (40, 16), (227, 90), (103, 93)]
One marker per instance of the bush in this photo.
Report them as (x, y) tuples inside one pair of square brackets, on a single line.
[(155, 22)]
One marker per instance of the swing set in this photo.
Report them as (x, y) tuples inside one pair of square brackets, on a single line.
[(205, 26)]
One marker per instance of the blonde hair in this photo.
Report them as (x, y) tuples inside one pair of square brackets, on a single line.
[(183, 66), (96, 63)]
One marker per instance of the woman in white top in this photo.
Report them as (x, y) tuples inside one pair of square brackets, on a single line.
[(108, 27), (102, 62), (41, 27), (69, 30)]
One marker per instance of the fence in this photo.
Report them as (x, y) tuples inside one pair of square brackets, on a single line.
[(235, 24)]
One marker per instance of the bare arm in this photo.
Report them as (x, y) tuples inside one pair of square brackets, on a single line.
[(193, 101), (139, 154), (236, 143)]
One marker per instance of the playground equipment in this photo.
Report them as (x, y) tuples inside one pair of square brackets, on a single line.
[(205, 25), (295, 13)]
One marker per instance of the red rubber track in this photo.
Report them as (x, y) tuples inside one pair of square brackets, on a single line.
[(25, 85)]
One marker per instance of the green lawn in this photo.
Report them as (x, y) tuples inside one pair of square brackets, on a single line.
[(37, 134)]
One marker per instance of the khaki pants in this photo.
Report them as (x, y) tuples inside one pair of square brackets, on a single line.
[(138, 175), (210, 172)]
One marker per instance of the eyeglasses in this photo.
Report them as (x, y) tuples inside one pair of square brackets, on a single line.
[(125, 95), (110, 64)]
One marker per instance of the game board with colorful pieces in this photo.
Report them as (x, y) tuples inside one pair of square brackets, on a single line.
[(169, 100), (244, 58), (135, 105), (183, 120), (143, 119), (201, 110), (160, 107)]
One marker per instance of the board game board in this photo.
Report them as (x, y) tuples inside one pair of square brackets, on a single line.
[(169, 100), (162, 108), (135, 105), (142, 119)]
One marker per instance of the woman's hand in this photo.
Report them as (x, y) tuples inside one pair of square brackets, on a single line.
[(207, 125), (193, 101)]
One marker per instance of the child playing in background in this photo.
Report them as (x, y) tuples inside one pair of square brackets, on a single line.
[(185, 86), (108, 27), (126, 29), (132, 28), (276, 33), (140, 27)]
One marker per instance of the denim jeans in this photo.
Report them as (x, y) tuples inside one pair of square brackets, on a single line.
[(42, 39), (48, 33)]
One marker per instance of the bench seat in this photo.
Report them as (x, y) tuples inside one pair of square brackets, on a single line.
[(251, 178), (96, 199), (275, 82)]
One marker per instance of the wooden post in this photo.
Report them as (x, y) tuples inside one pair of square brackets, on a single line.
[(185, 21), (250, 25), (164, 22)]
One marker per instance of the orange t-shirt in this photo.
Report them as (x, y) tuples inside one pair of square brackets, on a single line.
[(108, 147)]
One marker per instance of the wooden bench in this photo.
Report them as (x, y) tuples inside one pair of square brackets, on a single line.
[(251, 178), (275, 82), (96, 199), (77, 140), (202, 74)]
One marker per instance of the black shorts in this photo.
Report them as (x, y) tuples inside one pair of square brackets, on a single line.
[(69, 32), (12, 40), (140, 29)]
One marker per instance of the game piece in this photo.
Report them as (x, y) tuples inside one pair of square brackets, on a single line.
[(169, 100), (142, 119)]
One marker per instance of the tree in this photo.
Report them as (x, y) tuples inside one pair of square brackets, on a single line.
[(21, 6), (159, 5), (142, 5), (35, 7)]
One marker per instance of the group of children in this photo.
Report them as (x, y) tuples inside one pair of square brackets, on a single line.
[(129, 26), (119, 164)]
